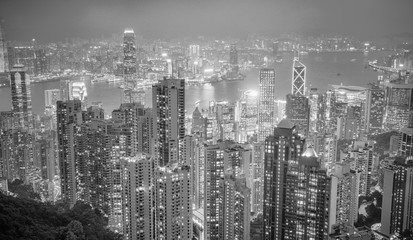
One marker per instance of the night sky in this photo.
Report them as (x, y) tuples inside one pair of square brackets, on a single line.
[(50, 20)]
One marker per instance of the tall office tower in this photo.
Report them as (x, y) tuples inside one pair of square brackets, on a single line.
[(138, 197), (194, 52), (282, 147), (78, 91), (173, 217), (266, 115), (399, 104), (397, 210), (406, 142), (4, 62), (129, 57), (233, 59), (40, 62), (21, 97), (168, 102), (198, 172), (236, 208), (306, 212), (298, 112), (299, 78), (374, 110), (69, 117), (343, 196)]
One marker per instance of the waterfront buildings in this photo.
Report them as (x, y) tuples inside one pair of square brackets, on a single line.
[(21, 97), (266, 108)]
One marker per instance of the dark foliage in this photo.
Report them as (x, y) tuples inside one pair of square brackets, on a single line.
[(373, 211), (23, 191), (22, 218)]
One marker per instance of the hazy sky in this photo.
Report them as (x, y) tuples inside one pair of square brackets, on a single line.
[(48, 20)]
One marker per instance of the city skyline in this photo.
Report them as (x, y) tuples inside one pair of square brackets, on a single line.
[(264, 137)]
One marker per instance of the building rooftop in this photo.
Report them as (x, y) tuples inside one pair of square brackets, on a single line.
[(310, 152), (286, 123)]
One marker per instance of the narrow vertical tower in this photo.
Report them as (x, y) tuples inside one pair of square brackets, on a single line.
[(299, 77), (4, 62), (21, 97), (168, 101), (266, 103)]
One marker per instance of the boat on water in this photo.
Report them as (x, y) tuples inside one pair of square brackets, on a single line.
[(303, 53)]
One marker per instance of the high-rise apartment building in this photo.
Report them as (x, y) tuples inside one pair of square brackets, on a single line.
[(397, 210), (173, 198), (399, 104), (139, 197), (266, 102), (299, 78), (168, 102), (344, 196)]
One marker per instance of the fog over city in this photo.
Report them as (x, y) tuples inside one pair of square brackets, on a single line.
[(48, 20)]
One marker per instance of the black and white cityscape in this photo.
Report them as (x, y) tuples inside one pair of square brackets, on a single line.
[(206, 120)]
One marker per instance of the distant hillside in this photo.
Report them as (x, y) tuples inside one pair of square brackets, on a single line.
[(27, 219)]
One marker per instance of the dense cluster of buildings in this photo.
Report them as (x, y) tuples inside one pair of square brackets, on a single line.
[(300, 164)]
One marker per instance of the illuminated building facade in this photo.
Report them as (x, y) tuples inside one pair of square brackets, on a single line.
[(397, 211), (138, 197), (129, 56), (78, 91), (282, 147), (40, 62), (298, 112), (266, 108), (21, 97), (299, 78), (306, 214), (344, 198), (236, 209), (4, 62), (375, 107), (168, 102), (173, 210)]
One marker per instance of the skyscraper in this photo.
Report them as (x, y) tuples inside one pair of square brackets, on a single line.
[(173, 214), (233, 59), (4, 62), (168, 102), (40, 62), (375, 110), (266, 108), (129, 55), (298, 112), (69, 117), (281, 147), (138, 197), (21, 97), (299, 78), (397, 210), (343, 195)]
